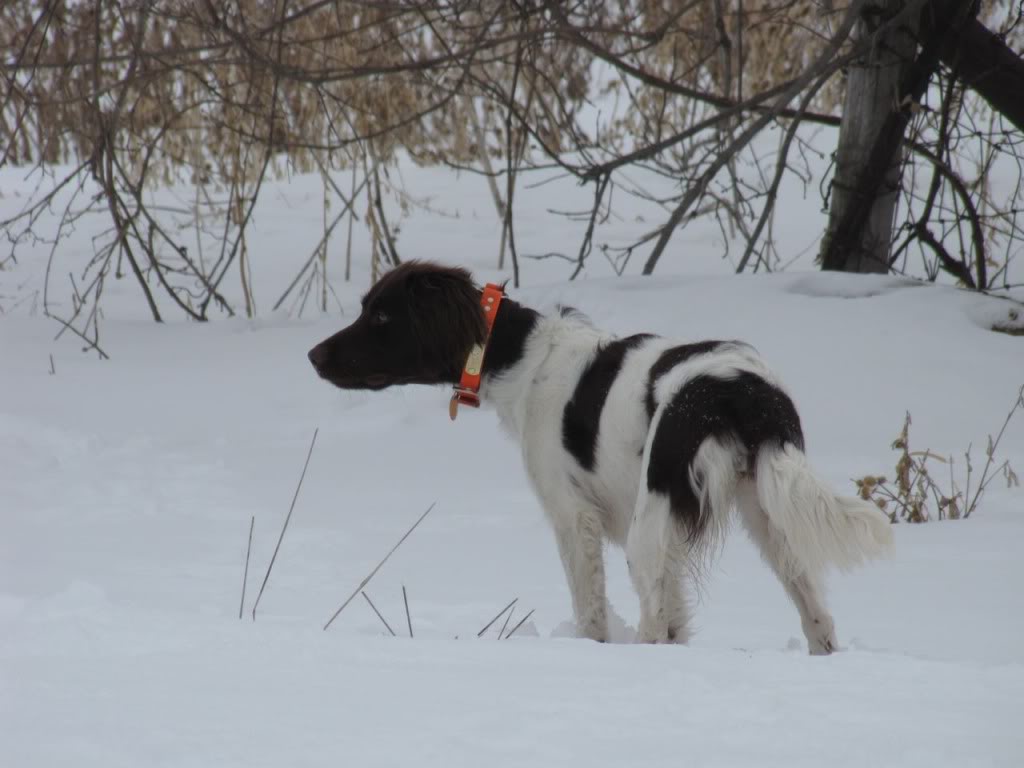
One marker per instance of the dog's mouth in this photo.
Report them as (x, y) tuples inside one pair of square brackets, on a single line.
[(378, 381), (374, 382)]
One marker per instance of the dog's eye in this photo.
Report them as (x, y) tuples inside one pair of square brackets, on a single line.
[(378, 318)]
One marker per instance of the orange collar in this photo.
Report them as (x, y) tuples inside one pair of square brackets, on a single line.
[(468, 388)]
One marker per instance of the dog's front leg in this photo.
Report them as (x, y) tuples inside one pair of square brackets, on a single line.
[(580, 543)]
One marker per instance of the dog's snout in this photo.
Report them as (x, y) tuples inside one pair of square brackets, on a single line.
[(318, 356)]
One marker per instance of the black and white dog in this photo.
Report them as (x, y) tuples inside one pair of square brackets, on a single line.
[(640, 440)]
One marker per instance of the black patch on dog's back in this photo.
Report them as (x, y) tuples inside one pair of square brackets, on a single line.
[(744, 408), (582, 415), (668, 360)]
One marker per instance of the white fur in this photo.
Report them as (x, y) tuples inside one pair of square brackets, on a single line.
[(656, 556), (821, 528), (798, 523), (713, 476)]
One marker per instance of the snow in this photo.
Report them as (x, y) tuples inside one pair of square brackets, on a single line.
[(253, 696), (128, 486)]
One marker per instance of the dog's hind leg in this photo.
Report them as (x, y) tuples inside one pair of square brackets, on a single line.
[(655, 552), (802, 586), (580, 543)]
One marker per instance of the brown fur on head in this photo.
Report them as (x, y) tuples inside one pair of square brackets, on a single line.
[(418, 325)]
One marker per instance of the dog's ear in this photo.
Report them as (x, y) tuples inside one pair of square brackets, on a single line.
[(445, 303), (446, 279)]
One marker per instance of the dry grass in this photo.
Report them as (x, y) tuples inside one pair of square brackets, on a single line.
[(919, 492)]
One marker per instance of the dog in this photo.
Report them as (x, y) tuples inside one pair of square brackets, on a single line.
[(641, 441)]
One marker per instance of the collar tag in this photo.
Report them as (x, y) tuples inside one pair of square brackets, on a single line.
[(475, 361), (462, 397)]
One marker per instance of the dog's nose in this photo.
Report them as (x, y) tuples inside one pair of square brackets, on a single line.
[(318, 356)]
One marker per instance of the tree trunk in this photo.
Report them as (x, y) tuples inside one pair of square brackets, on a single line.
[(872, 90), (985, 63)]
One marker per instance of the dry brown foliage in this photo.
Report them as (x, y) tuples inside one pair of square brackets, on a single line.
[(135, 94), (917, 493)]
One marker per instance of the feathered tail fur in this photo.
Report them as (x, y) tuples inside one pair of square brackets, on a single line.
[(819, 527)]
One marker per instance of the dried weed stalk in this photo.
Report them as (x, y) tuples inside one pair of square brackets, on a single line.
[(916, 494)]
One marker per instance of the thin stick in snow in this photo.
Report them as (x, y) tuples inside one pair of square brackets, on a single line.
[(245, 573), (286, 521), (505, 625), (990, 451), (382, 619), (373, 573), (500, 614), (517, 626), (408, 619)]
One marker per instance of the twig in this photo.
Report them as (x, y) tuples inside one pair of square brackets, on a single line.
[(53, 368), (990, 451), (780, 170), (588, 237), (382, 619), (373, 573), (286, 521), (549, 255), (510, 178), (245, 573), (346, 210), (408, 618), (505, 625), (517, 626), (500, 614), (376, 194), (91, 343), (485, 161)]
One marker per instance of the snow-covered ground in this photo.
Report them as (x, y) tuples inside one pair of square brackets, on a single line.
[(127, 487)]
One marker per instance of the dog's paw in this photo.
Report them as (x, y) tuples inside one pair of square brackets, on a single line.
[(593, 630), (821, 648), (678, 635), (821, 637), (652, 633)]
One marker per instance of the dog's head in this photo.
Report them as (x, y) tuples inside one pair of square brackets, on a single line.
[(418, 325)]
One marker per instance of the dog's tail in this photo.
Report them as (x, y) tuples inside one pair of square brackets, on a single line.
[(819, 527)]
